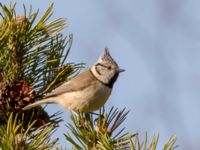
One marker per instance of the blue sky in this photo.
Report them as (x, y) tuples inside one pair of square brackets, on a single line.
[(157, 42)]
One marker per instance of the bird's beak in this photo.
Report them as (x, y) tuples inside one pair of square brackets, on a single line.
[(120, 70)]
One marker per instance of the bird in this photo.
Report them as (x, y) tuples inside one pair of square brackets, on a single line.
[(89, 90)]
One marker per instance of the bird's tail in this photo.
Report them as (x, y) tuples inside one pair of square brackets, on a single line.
[(38, 103)]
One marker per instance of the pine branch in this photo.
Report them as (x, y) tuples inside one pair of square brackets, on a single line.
[(96, 132), (32, 62), (34, 53), (14, 136)]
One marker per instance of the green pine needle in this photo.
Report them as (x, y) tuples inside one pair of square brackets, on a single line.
[(14, 136), (34, 52), (97, 131)]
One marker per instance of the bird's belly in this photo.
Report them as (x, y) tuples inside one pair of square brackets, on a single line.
[(87, 100)]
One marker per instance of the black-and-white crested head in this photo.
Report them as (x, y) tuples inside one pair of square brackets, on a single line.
[(106, 69)]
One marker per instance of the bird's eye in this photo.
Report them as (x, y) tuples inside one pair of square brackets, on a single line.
[(109, 67)]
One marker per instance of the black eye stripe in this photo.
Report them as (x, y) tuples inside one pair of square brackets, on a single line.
[(108, 67)]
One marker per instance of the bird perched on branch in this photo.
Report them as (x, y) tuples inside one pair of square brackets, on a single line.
[(87, 91)]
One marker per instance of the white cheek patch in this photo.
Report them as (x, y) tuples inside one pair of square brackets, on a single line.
[(101, 77)]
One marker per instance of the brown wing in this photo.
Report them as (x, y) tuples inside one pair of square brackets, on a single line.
[(77, 83)]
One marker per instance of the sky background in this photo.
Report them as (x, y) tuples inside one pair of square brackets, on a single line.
[(158, 43)]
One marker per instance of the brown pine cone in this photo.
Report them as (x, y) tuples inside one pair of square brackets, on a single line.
[(18, 95)]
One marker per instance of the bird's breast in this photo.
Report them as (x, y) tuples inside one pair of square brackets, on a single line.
[(97, 97), (88, 99)]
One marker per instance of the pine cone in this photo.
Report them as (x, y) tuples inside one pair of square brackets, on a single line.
[(18, 95)]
